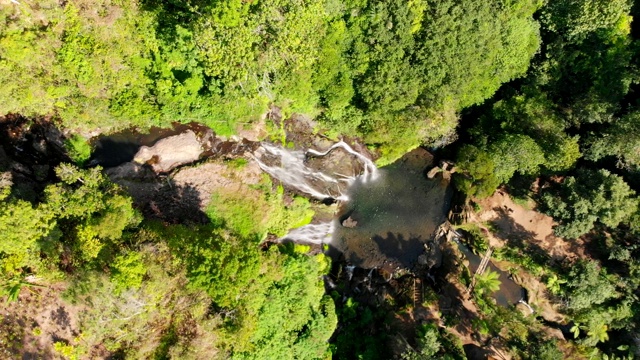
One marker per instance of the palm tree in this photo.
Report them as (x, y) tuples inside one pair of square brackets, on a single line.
[(487, 282), (554, 284)]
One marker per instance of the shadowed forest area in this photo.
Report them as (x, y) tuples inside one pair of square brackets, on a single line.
[(534, 103)]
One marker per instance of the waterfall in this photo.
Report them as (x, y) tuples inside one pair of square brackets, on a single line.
[(349, 269), (527, 305), (293, 172), (311, 234), (370, 169)]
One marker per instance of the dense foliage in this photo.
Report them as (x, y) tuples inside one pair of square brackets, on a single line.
[(569, 127), (545, 90), (165, 278), (394, 72)]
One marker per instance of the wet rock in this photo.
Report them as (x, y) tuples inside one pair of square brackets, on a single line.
[(417, 159), (445, 168), (432, 173), (432, 256), (338, 161), (524, 310), (171, 152), (349, 223), (275, 113), (40, 145), (21, 168), (554, 333), (221, 147), (4, 159), (130, 170)]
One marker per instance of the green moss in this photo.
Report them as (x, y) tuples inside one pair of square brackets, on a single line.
[(237, 163)]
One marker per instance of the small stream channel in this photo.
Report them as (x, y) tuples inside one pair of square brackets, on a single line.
[(509, 293)]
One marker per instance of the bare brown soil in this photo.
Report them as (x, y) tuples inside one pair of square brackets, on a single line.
[(513, 222)]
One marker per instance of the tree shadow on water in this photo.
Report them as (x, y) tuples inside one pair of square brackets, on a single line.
[(395, 249), (111, 152)]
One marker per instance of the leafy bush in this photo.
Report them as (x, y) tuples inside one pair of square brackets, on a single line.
[(78, 149), (474, 237), (487, 282), (128, 271), (259, 211)]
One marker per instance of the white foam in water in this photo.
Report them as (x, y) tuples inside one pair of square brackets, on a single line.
[(349, 270)]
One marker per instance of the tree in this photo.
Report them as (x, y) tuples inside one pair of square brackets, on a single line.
[(588, 285), (545, 350), (574, 19), (90, 210), (295, 318), (24, 228), (532, 115), (588, 65), (462, 58), (590, 197), (476, 175), (515, 152), (621, 139), (428, 345), (487, 282), (222, 264)]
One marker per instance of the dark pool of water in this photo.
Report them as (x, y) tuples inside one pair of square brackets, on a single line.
[(395, 214)]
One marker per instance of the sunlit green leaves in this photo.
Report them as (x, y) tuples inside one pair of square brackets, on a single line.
[(621, 139), (590, 197), (476, 175), (576, 18), (487, 282)]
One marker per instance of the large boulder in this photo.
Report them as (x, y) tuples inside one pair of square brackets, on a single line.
[(171, 152)]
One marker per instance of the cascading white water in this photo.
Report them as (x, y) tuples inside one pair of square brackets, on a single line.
[(293, 172), (350, 269), (527, 305), (311, 234), (370, 169)]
